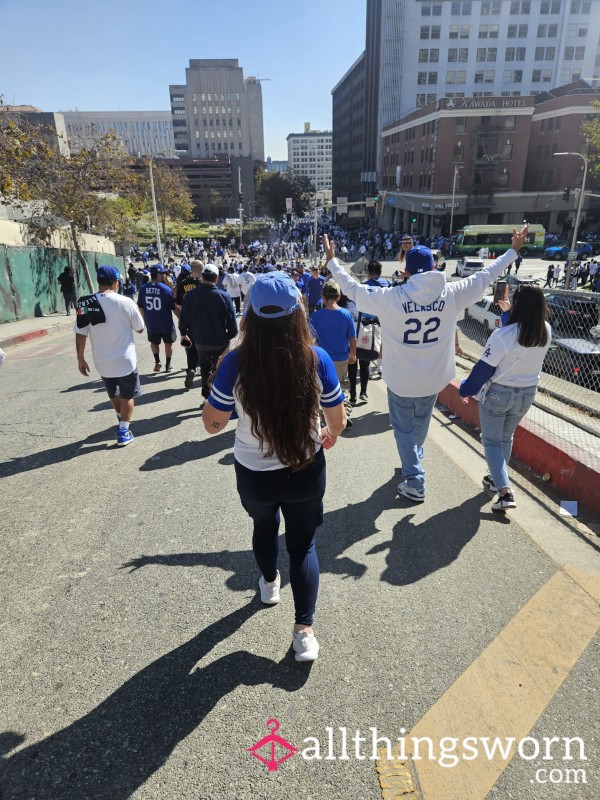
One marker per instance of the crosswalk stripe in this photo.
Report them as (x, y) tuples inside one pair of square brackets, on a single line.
[(506, 689)]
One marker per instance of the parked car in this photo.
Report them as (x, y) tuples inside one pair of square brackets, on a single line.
[(440, 260), (559, 252), (573, 312), (467, 265), (575, 360), (486, 312)]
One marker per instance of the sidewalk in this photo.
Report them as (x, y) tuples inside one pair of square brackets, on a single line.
[(24, 330)]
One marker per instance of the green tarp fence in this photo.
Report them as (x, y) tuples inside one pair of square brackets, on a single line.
[(29, 279)]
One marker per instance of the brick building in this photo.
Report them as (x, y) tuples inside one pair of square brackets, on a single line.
[(492, 157)]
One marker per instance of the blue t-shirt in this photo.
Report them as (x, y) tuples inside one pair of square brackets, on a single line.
[(313, 288), (302, 281), (382, 283), (333, 329), (247, 448), (157, 301)]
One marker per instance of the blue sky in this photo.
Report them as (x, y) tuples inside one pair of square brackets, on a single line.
[(123, 55)]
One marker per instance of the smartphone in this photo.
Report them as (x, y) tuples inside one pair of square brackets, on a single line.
[(500, 291)]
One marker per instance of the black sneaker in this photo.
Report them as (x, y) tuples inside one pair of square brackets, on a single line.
[(504, 501), (363, 396), (353, 401), (488, 483), (189, 378)]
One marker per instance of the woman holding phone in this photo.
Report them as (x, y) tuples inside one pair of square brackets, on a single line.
[(505, 380)]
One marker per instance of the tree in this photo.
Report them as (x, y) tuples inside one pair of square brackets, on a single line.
[(173, 198), (209, 200), (81, 190), (272, 188), (591, 131)]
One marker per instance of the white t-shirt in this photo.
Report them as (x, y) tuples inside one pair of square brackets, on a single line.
[(230, 282), (515, 365), (113, 348), (246, 279)]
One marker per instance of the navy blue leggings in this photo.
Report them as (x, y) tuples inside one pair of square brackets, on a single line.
[(299, 497)]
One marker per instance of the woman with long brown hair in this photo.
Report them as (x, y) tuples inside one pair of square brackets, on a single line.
[(505, 380), (275, 381)]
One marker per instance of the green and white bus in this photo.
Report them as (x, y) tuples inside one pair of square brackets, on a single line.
[(497, 239)]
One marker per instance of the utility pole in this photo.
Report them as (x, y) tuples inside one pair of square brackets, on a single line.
[(573, 254), (241, 207)]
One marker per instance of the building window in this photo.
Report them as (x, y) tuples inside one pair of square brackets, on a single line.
[(541, 76), (580, 6), (421, 78), (544, 53), (432, 78), (179, 111), (520, 7), (177, 98), (502, 180), (458, 152), (489, 31), (517, 31), (547, 31), (510, 122), (461, 7), (576, 29), (489, 7), (460, 125), (431, 10), (550, 7), (574, 53), (515, 54)]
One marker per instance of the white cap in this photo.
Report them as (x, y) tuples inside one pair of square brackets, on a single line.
[(212, 268)]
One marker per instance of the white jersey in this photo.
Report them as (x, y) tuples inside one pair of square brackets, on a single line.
[(418, 323), (516, 365), (113, 348)]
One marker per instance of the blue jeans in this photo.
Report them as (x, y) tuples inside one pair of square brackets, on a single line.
[(410, 417), (299, 497), (500, 413)]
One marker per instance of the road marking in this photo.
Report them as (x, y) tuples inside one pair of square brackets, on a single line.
[(506, 689)]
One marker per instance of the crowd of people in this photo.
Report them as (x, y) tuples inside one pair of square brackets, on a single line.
[(282, 367)]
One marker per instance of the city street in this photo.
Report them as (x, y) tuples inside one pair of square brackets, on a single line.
[(138, 662)]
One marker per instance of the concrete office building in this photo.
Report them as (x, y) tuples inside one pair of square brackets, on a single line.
[(55, 131), (218, 112), (491, 158), (418, 51), (276, 166), (309, 154), (141, 133)]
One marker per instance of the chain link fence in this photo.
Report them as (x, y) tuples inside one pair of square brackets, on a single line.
[(569, 387)]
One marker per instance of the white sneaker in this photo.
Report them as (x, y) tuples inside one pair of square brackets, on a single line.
[(305, 646), (416, 495), (269, 591)]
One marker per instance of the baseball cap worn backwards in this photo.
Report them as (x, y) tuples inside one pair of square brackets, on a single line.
[(107, 274), (276, 292), (419, 259)]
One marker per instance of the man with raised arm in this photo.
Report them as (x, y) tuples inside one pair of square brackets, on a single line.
[(418, 323)]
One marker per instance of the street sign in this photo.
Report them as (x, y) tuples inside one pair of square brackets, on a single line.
[(572, 256), (342, 207), (288, 205), (370, 202)]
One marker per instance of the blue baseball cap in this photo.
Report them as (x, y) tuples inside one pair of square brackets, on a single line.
[(274, 290), (158, 269), (419, 259), (107, 274), (186, 268)]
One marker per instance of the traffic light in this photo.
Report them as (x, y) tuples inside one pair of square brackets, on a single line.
[(566, 194), (414, 220), (241, 198), (288, 219)]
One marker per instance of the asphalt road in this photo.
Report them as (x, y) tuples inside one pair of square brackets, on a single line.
[(136, 661)]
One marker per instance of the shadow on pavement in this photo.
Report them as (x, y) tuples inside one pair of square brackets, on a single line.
[(113, 750), (416, 551), (186, 451), (368, 425)]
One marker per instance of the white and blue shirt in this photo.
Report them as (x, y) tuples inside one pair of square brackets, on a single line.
[(247, 450)]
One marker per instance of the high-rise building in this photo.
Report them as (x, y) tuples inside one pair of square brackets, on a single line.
[(141, 133), (309, 154), (217, 110), (419, 51)]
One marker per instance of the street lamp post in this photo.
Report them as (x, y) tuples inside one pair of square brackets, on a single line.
[(578, 217), (456, 168), (154, 209)]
